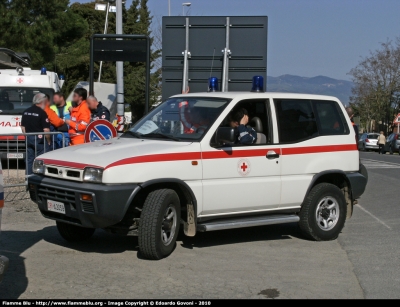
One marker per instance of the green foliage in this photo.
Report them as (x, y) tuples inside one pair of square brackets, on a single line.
[(377, 85), (57, 35)]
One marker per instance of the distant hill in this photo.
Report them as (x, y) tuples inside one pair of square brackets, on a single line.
[(316, 85)]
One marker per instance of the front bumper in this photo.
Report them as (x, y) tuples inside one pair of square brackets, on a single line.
[(3, 266), (108, 206)]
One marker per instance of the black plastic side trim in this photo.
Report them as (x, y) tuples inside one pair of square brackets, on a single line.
[(358, 182), (247, 215), (173, 180), (317, 176)]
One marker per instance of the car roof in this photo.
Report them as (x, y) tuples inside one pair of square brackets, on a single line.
[(246, 95)]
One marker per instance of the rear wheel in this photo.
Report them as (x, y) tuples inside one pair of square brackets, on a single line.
[(323, 213), (159, 224), (73, 233)]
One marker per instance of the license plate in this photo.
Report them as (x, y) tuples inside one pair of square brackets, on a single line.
[(15, 155), (55, 206)]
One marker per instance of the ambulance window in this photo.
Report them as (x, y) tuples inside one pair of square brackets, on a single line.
[(296, 120), (180, 119), (259, 120), (14, 100), (330, 118)]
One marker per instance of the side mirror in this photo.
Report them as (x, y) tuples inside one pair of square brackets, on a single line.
[(225, 135)]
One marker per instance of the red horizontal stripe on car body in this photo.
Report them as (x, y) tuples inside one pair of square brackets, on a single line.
[(226, 154), (318, 149), (181, 156), (218, 154), (67, 164)]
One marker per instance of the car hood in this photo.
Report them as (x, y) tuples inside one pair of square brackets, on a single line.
[(109, 152)]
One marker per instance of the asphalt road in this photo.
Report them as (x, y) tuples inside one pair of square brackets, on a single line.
[(262, 262), (372, 238)]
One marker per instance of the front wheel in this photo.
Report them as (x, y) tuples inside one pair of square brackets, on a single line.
[(159, 224), (74, 233), (323, 213)]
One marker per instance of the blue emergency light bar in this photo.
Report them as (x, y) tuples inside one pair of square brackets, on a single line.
[(213, 84), (258, 84), (43, 71), (61, 77)]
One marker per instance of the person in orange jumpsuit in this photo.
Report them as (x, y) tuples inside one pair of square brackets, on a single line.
[(80, 117), (57, 124)]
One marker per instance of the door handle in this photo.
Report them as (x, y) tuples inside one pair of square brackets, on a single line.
[(272, 155)]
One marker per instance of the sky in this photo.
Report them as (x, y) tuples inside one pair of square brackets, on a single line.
[(306, 37)]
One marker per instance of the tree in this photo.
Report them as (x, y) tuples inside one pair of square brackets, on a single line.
[(57, 35), (39, 27), (377, 84), (139, 22)]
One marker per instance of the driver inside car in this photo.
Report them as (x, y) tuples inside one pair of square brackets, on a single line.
[(238, 119)]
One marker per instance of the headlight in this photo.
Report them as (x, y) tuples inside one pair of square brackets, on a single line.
[(93, 175), (38, 167)]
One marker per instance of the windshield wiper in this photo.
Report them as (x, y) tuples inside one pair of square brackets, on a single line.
[(134, 134), (157, 134)]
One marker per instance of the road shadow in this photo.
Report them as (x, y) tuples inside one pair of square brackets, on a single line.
[(100, 243), (14, 243), (241, 235)]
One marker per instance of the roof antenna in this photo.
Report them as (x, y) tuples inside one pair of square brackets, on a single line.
[(212, 64)]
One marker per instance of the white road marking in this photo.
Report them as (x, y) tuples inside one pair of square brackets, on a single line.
[(376, 218), (369, 164)]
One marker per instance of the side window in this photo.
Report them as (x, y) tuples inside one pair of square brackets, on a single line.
[(296, 120), (330, 118), (259, 120)]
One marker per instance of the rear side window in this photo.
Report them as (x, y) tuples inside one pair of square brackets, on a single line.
[(302, 119), (296, 120), (330, 118)]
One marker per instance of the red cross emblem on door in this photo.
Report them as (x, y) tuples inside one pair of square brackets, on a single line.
[(20, 80), (243, 167)]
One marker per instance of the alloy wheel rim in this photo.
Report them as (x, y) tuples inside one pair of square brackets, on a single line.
[(168, 226), (327, 213)]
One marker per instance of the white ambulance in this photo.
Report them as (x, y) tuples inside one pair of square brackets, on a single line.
[(18, 85), (183, 165)]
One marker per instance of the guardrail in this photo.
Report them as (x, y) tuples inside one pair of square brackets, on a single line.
[(14, 150)]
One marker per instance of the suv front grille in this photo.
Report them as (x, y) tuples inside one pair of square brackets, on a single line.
[(66, 197)]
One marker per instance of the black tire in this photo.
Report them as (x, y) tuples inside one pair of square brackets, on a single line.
[(151, 226), (321, 194), (74, 233)]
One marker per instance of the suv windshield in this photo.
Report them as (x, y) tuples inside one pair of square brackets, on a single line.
[(179, 119), (14, 100)]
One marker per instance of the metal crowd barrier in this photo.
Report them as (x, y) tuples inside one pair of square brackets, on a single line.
[(14, 153)]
